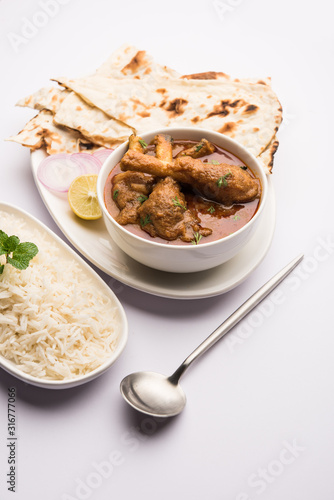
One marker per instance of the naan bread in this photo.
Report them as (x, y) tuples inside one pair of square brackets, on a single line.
[(267, 156), (131, 92), (40, 131), (72, 112), (129, 62), (32, 134), (247, 112), (93, 123), (76, 114), (49, 98)]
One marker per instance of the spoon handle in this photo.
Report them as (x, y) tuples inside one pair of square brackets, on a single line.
[(235, 317)]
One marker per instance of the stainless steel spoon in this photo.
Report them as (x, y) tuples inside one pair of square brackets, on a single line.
[(160, 396)]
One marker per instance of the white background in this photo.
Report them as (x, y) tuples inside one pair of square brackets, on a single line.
[(248, 402)]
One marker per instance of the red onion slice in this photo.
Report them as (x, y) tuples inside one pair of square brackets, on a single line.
[(56, 172), (90, 163), (102, 154)]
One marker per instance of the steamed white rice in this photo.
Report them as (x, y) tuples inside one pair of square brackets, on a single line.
[(55, 322)]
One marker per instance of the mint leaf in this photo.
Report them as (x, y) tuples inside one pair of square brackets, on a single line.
[(3, 238), (17, 254), (11, 244), (26, 249), (20, 263), (22, 255)]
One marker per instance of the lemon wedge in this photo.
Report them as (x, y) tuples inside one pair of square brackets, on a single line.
[(82, 197)]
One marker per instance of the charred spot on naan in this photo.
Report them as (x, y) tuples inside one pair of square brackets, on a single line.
[(208, 75), (250, 108), (267, 156), (136, 62), (228, 128), (137, 103), (175, 107), (237, 103), (144, 114), (221, 108)]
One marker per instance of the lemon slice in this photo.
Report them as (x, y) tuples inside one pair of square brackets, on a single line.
[(82, 197)]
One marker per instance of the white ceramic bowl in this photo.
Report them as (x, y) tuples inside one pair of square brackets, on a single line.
[(183, 258)]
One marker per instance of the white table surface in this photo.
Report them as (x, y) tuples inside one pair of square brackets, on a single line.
[(260, 411)]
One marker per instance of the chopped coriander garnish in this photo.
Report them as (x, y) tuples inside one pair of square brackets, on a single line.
[(211, 209), (236, 217), (116, 193), (142, 198), (177, 203), (214, 162), (17, 254), (197, 238), (243, 167), (142, 143), (222, 180), (144, 221), (199, 147)]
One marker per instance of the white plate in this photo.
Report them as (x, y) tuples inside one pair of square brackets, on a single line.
[(93, 241), (11, 367)]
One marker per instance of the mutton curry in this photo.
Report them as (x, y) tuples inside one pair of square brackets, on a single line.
[(181, 192)]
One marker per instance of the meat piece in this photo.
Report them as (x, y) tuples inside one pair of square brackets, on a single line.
[(223, 183), (165, 214), (163, 147), (129, 191), (137, 144), (198, 150)]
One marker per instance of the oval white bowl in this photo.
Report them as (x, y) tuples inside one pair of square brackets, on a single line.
[(13, 369), (183, 258)]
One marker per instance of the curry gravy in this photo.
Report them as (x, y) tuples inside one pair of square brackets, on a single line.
[(221, 219)]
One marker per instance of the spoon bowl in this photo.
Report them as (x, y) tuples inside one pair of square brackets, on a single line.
[(160, 396), (153, 394)]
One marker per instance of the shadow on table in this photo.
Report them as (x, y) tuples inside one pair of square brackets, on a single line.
[(146, 425), (43, 398)]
